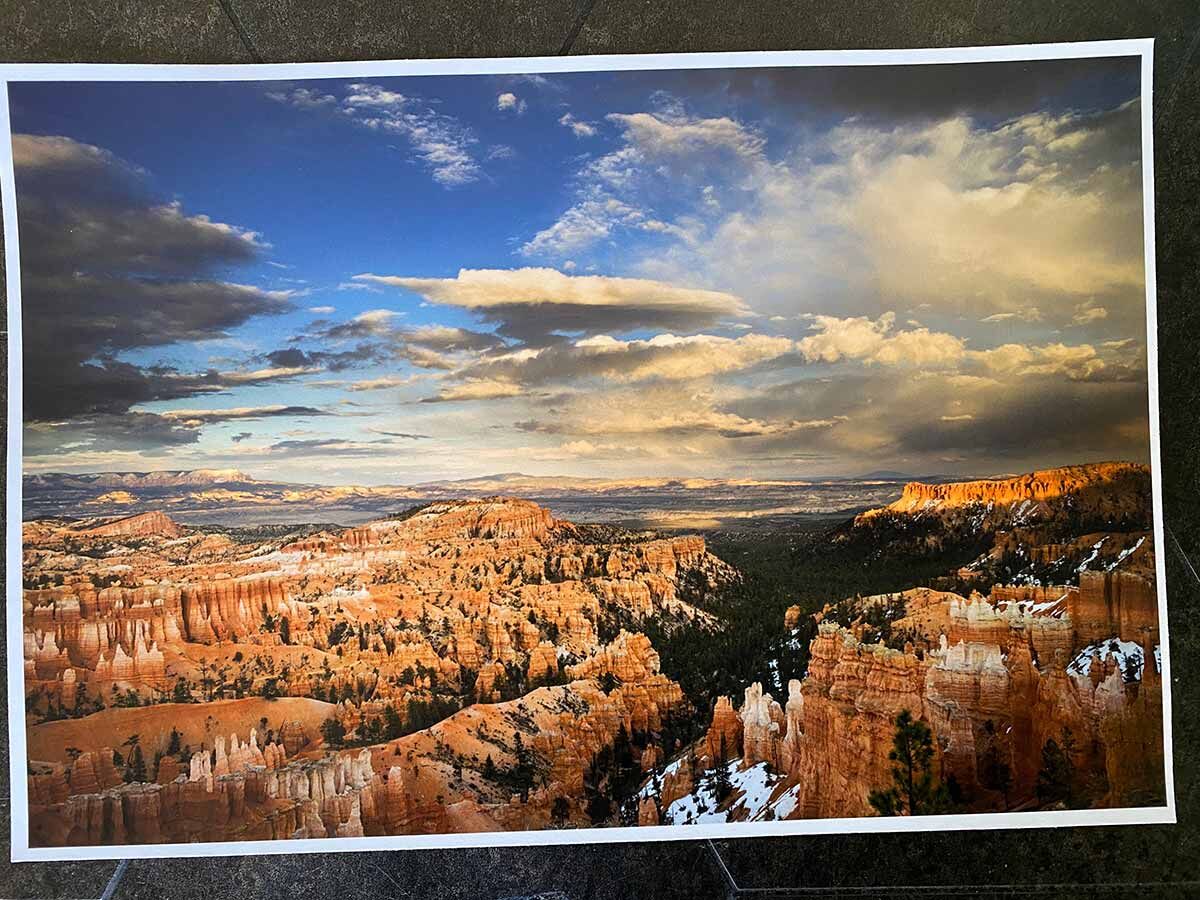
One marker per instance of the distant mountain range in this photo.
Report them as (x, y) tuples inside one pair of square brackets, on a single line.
[(233, 497)]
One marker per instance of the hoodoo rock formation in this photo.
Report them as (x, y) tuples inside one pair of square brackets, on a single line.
[(995, 676), (182, 685), (483, 665)]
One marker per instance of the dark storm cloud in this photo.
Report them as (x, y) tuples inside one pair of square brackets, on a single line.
[(383, 341), (333, 360), (546, 323), (1019, 417), (289, 358), (1049, 416), (106, 268), (136, 432), (992, 90)]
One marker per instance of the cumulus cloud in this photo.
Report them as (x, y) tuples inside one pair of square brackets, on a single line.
[(677, 135), (1079, 362), (994, 220), (510, 102), (874, 341), (533, 303)]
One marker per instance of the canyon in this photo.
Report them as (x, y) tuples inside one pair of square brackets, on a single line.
[(995, 675), (482, 665), (455, 667)]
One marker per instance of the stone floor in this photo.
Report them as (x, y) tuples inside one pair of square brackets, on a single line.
[(1158, 861)]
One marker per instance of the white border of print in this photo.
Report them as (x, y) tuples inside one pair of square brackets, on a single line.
[(21, 851)]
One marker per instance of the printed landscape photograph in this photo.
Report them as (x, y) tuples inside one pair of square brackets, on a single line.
[(702, 451)]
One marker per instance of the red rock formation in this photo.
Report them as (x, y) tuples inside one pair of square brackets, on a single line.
[(976, 694), (1118, 603), (1036, 487), (155, 523), (724, 732)]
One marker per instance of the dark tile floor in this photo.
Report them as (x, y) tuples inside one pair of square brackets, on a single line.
[(1081, 862)]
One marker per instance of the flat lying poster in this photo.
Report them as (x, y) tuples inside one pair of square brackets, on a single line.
[(525, 451)]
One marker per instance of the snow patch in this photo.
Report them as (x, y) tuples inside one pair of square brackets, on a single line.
[(1121, 651)]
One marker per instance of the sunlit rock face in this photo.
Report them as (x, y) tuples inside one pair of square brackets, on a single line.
[(995, 674), (188, 685), (1092, 483)]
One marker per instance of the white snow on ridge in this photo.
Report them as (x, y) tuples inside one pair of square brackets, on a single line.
[(749, 800), (1125, 553), (1121, 651), (1095, 552)]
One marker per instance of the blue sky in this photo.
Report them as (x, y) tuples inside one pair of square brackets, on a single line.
[(776, 273)]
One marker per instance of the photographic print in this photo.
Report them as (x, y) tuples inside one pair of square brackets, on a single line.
[(518, 451)]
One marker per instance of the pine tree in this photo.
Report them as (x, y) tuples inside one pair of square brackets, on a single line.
[(718, 781), (524, 771), (489, 768), (1056, 778), (392, 726), (136, 771), (559, 811), (914, 791), (995, 773), (333, 731)]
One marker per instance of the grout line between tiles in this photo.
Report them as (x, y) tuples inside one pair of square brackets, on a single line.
[(576, 27), (243, 35)]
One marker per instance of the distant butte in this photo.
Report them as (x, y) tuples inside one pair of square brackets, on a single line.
[(144, 524)]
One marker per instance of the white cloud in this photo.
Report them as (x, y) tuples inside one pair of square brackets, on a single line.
[(304, 98), (678, 135), (664, 146), (578, 127), (439, 141), (547, 299), (322, 310), (873, 341), (1078, 362), (510, 102), (994, 221), (670, 357), (384, 383), (476, 389), (1025, 314), (1088, 312)]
